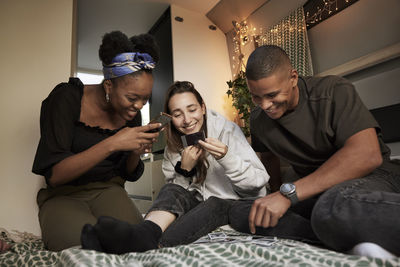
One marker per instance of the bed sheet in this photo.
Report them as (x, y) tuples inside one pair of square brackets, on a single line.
[(221, 248)]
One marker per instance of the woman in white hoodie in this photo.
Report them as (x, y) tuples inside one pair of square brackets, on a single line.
[(203, 181)]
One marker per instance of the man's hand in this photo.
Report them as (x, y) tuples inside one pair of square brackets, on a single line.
[(267, 211)]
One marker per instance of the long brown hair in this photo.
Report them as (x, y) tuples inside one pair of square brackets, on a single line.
[(174, 141)]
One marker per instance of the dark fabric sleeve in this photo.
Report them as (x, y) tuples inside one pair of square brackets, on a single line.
[(137, 173), (59, 111), (349, 114)]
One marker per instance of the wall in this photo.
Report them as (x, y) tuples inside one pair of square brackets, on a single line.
[(365, 27), (362, 28), (35, 55), (200, 55), (96, 17)]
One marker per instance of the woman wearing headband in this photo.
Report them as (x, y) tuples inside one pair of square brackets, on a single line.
[(91, 142)]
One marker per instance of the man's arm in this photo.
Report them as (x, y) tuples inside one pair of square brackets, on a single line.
[(272, 165), (359, 156)]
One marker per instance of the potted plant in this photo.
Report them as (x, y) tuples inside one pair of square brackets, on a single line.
[(241, 100)]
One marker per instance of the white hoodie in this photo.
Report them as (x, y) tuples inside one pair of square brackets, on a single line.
[(239, 174)]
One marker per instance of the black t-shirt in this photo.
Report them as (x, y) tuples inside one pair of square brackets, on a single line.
[(63, 135), (328, 113)]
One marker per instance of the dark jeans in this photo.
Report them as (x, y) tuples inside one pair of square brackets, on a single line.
[(294, 224), (194, 218), (360, 210)]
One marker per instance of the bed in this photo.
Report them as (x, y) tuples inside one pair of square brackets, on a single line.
[(223, 247)]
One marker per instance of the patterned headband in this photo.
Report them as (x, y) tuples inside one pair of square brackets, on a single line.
[(126, 63)]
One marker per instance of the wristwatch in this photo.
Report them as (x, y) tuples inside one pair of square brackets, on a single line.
[(289, 191)]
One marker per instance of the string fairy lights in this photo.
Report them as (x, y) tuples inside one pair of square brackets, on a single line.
[(292, 29), (318, 10)]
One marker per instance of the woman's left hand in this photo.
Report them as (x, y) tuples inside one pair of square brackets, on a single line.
[(215, 147)]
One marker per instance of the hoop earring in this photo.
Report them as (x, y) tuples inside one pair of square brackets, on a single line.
[(107, 98)]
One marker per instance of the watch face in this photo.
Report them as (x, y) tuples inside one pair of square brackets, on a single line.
[(287, 188)]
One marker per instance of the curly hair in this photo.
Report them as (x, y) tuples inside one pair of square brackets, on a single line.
[(146, 43), (116, 42)]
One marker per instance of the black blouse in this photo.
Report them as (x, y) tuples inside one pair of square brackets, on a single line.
[(63, 135)]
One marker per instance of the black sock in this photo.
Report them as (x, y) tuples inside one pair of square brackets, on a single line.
[(89, 238), (120, 237)]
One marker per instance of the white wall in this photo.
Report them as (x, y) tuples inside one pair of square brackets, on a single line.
[(35, 55), (200, 56)]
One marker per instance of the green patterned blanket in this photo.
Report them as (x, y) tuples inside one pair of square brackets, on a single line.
[(221, 248)]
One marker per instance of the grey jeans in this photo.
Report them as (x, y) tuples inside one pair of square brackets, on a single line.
[(360, 210)]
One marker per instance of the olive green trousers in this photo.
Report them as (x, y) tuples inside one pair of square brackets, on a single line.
[(64, 210)]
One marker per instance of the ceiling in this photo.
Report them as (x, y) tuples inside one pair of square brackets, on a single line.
[(226, 11), (200, 6), (96, 17)]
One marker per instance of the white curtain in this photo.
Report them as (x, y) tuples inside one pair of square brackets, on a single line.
[(291, 35)]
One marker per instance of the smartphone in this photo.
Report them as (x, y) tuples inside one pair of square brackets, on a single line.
[(192, 139), (162, 118)]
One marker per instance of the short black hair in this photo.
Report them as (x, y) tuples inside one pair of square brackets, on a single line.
[(265, 61)]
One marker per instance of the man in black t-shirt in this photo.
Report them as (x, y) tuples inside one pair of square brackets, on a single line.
[(348, 190)]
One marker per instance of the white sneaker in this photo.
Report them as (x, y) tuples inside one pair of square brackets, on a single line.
[(371, 250)]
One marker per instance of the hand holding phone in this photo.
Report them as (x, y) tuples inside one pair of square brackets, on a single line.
[(162, 118)]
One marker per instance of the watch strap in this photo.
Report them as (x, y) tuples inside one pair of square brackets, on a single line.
[(293, 198)]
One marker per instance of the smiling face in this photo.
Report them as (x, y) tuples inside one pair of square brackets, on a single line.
[(130, 94), (187, 113), (276, 94)]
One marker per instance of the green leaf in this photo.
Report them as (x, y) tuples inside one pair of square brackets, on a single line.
[(241, 99)]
